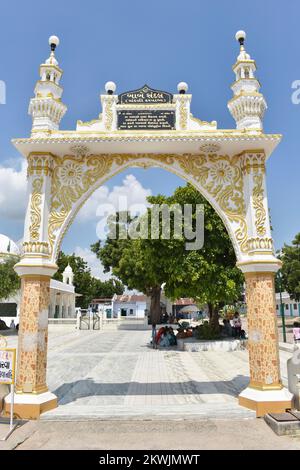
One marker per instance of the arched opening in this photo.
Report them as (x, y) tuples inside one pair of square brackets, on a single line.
[(135, 350)]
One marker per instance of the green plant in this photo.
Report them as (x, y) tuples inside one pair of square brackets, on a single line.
[(207, 331)]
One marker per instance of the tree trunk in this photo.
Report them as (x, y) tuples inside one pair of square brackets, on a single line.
[(214, 317), (155, 309)]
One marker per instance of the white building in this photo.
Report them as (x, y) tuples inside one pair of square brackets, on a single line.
[(130, 305), (62, 294), (125, 305), (291, 307), (103, 305)]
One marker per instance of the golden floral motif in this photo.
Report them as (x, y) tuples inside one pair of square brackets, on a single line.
[(67, 189), (210, 148), (35, 208), (71, 173), (109, 116), (222, 173), (183, 114), (219, 176), (258, 204)]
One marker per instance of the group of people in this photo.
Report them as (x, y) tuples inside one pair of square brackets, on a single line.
[(234, 329), (164, 337), (167, 318)]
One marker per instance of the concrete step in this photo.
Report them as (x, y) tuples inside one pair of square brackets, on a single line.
[(185, 411), (289, 347)]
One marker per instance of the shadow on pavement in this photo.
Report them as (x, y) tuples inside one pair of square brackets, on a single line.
[(69, 392)]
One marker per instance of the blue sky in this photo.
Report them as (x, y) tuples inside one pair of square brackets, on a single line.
[(160, 43)]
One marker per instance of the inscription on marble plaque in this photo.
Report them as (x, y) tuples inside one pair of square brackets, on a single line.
[(146, 119)]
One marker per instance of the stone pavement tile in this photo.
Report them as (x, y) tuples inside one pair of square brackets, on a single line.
[(117, 372), (19, 435)]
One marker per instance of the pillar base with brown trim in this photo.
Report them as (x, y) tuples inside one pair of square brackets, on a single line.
[(30, 405), (266, 401)]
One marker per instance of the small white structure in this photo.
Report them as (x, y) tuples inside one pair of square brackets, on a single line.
[(62, 294), (129, 305), (104, 306), (121, 306), (291, 307), (68, 275)]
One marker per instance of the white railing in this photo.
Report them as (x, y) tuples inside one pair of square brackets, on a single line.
[(62, 321)]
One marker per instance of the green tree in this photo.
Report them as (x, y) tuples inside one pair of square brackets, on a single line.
[(9, 280), (209, 275), (137, 264), (290, 257), (85, 284)]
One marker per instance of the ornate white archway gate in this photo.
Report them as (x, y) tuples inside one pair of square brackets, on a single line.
[(148, 128)]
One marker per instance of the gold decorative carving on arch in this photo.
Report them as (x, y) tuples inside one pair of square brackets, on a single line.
[(253, 163), (109, 116), (40, 164), (35, 209), (220, 176), (258, 204), (183, 113)]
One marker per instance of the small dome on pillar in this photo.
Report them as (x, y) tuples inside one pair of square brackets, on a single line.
[(68, 275), (68, 269)]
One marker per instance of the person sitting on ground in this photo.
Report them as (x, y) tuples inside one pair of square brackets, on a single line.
[(171, 337), (237, 325), (243, 334), (164, 340), (227, 329), (160, 332)]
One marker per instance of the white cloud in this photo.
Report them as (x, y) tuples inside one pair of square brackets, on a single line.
[(131, 189), (93, 262), (13, 187)]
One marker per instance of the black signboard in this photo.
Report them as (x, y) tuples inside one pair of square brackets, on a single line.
[(145, 95), (146, 119)]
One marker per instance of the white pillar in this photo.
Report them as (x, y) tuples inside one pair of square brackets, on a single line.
[(60, 306)]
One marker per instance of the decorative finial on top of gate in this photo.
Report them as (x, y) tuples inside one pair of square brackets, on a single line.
[(247, 105), (240, 37), (53, 43), (46, 107)]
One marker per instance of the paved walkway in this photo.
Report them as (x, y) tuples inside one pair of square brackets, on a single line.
[(111, 382), (151, 435), (116, 374)]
